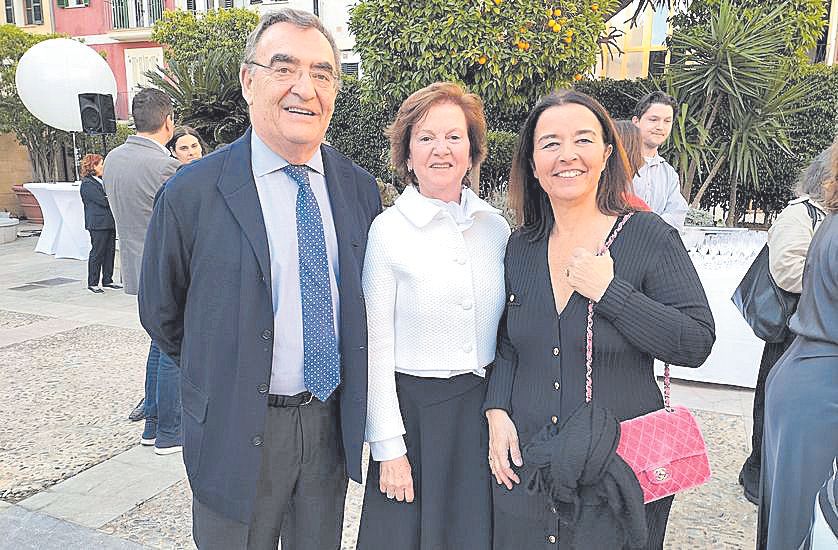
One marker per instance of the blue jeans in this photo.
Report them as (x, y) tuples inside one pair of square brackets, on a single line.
[(162, 396)]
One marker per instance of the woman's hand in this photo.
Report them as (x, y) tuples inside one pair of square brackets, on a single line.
[(503, 443), (396, 480), (590, 275)]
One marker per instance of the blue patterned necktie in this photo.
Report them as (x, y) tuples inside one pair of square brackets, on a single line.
[(321, 360)]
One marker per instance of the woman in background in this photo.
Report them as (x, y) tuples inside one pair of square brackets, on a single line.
[(99, 222), (633, 144), (788, 242), (800, 435), (186, 145)]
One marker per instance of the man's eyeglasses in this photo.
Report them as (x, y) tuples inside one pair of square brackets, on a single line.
[(287, 73)]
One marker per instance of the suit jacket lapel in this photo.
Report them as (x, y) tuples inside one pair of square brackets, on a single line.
[(337, 171), (238, 188)]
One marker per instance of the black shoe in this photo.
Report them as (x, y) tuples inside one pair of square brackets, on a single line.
[(749, 480), (139, 412), (112, 285), (95, 290)]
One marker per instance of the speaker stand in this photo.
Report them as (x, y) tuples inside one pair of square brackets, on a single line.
[(75, 156)]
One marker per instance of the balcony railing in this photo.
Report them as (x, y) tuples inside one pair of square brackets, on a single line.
[(134, 14)]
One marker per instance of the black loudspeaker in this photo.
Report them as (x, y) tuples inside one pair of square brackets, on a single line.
[(97, 115)]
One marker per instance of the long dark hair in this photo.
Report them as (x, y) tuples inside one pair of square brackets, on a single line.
[(530, 201), (181, 131)]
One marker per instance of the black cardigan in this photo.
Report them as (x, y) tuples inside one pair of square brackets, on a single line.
[(655, 307)]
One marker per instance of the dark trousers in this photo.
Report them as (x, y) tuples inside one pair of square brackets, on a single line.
[(771, 353), (301, 490), (100, 261)]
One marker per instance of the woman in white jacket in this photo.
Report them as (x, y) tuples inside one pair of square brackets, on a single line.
[(434, 291)]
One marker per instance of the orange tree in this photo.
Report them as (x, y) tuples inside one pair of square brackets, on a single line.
[(509, 52)]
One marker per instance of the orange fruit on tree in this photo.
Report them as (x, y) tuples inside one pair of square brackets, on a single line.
[(577, 77), (482, 59), (557, 12)]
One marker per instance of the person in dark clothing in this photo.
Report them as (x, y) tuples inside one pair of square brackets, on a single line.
[(788, 243), (98, 220), (800, 431), (569, 183)]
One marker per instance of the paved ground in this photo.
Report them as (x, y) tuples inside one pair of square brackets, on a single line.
[(73, 477)]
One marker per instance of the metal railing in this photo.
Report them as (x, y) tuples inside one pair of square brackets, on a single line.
[(136, 14)]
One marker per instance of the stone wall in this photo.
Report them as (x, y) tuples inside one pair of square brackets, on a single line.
[(14, 170)]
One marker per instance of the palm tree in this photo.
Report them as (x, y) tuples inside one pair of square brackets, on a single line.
[(206, 94), (734, 81)]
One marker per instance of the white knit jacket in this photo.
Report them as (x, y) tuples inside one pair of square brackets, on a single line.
[(434, 295)]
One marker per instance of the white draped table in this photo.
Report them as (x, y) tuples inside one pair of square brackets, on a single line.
[(736, 354), (63, 234)]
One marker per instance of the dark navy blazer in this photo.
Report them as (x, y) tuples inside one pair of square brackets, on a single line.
[(97, 211), (205, 298)]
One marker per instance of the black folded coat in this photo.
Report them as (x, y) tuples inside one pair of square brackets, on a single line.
[(597, 496)]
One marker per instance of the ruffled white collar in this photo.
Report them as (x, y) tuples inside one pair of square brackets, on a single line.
[(420, 210)]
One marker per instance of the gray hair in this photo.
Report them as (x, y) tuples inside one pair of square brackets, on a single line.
[(817, 174), (299, 18)]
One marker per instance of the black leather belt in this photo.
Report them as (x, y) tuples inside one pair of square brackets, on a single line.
[(299, 400)]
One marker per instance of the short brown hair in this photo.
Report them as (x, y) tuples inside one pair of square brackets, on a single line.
[(531, 203), (414, 109), (150, 107), (830, 191), (88, 162)]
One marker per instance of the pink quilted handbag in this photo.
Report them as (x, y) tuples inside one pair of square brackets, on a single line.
[(664, 447)]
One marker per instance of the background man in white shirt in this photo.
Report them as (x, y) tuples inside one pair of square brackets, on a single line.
[(657, 182)]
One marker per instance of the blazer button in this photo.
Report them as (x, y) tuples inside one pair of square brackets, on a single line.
[(556, 385), (256, 441), (266, 334), (262, 388), (551, 539), (556, 352), (554, 419), (511, 298)]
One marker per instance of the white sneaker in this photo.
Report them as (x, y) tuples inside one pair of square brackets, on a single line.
[(147, 442), (162, 451)]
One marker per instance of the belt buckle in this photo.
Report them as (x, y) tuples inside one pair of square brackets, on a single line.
[(310, 397)]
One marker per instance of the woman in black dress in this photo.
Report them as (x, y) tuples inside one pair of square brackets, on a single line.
[(569, 183)]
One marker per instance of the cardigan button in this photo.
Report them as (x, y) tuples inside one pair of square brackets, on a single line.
[(554, 419), (556, 385), (511, 298), (556, 352), (551, 539)]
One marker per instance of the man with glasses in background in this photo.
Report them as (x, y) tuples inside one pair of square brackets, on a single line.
[(251, 279)]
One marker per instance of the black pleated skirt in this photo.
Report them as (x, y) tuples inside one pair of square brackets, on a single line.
[(447, 445)]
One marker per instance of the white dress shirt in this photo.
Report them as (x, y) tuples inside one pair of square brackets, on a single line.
[(434, 291), (278, 199), (658, 184)]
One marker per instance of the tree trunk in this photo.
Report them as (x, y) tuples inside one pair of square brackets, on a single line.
[(708, 118), (731, 213), (696, 203)]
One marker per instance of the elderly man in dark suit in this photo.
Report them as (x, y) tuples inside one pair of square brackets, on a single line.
[(251, 280)]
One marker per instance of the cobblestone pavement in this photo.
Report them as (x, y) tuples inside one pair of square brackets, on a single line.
[(65, 396), (714, 516), (64, 400)]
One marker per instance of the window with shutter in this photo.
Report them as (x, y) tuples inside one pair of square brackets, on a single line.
[(190, 5), (10, 11), (33, 12), (228, 4)]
